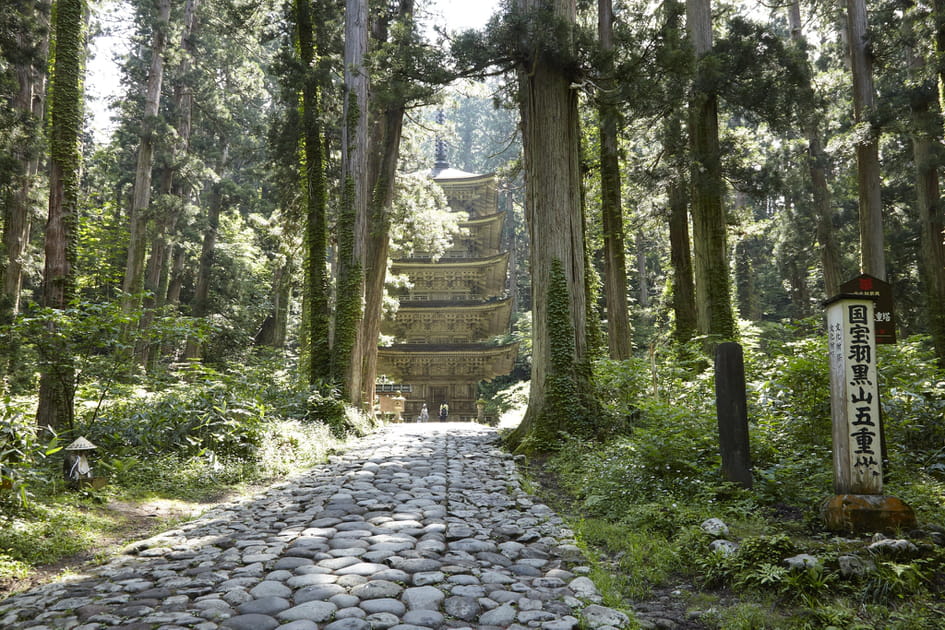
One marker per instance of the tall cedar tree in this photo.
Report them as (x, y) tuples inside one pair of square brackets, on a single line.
[(141, 201), (713, 292), (674, 142), (817, 165), (26, 55), (872, 256), (394, 27), (928, 198), (348, 346), (615, 265), (561, 391), (56, 389), (315, 198)]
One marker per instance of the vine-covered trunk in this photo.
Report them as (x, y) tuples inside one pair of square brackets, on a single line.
[(56, 389), (551, 142), (141, 198), (347, 343), (615, 266), (713, 291), (872, 256)]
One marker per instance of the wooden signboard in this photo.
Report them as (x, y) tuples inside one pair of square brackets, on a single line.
[(881, 293)]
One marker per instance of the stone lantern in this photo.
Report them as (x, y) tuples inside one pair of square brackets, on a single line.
[(399, 405)]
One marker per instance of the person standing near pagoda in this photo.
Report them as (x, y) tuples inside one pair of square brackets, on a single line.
[(424, 414), (444, 411)]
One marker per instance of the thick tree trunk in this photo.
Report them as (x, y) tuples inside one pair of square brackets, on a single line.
[(141, 200), (928, 196), (56, 388), (872, 256), (817, 165), (615, 266), (348, 337), (551, 142), (713, 292), (316, 203), (383, 167), (684, 290)]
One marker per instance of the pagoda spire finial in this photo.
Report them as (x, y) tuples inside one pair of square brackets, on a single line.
[(440, 156)]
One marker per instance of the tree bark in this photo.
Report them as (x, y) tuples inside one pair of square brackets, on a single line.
[(386, 138), (713, 292), (348, 338), (156, 271), (56, 389), (273, 331), (928, 197), (201, 307), (615, 266), (872, 256), (141, 200), (551, 142), (817, 165), (29, 102)]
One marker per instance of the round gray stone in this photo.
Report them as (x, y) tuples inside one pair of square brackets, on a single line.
[(376, 589), (250, 622), (465, 608), (502, 616), (264, 606), (313, 611), (269, 588), (383, 605), (349, 623), (427, 618)]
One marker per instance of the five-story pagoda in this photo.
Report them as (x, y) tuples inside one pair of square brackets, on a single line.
[(455, 305)]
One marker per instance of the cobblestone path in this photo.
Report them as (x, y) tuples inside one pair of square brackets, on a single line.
[(414, 527)]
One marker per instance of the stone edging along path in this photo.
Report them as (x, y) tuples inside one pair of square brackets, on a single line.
[(417, 526)]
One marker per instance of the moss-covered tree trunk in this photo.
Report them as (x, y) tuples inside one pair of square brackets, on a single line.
[(348, 342), (56, 389), (710, 248), (615, 265), (872, 256), (141, 198), (560, 389), (314, 195)]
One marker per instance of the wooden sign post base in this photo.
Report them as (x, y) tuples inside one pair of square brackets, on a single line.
[(866, 513)]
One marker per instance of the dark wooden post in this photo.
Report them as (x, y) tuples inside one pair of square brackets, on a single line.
[(732, 412)]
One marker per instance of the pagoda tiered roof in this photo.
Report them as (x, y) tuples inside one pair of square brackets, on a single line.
[(446, 321)]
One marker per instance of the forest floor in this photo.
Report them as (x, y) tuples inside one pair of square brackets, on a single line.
[(133, 520), (668, 607)]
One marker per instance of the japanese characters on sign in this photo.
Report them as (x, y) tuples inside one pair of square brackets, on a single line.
[(884, 313), (855, 397)]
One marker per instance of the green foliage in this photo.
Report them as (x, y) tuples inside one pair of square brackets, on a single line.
[(632, 560), (24, 454)]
